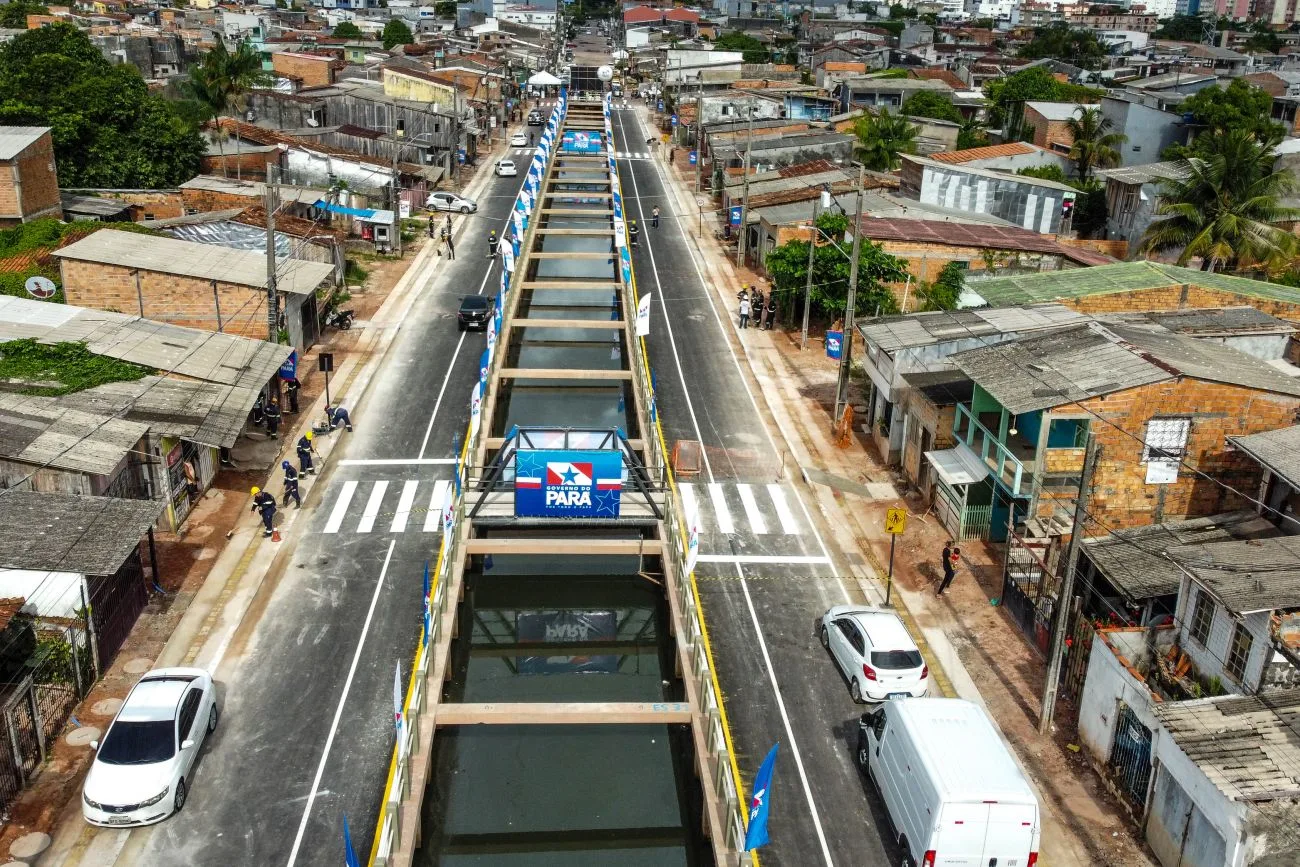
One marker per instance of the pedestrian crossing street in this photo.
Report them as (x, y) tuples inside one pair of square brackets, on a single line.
[(413, 505), (631, 155)]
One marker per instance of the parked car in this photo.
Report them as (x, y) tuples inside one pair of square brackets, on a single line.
[(535, 118), (443, 201), (519, 140), (142, 767), (475, 313), (875, 653), (506, 169), (950, 786)]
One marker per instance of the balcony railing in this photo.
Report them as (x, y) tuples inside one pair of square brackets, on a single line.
[(1008, 468)]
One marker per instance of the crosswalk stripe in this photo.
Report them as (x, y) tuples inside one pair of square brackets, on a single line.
[(720, 510), (433, 517), (367, 522), (341, 507), (404, 503), (755, 517), (788, 524), (689, 503)]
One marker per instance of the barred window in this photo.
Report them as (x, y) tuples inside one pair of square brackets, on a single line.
[(1166, 439), (1202, 615), (1238, 652)]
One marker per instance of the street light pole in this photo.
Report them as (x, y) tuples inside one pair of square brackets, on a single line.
[(744, 195), (846, 343), (807, 289)]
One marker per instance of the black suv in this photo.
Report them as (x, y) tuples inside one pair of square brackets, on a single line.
[(534, 118), (475, 312)]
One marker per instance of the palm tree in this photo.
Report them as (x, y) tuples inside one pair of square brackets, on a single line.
[(222, 81), (1225, 206), (881, 138), (1095, 145)]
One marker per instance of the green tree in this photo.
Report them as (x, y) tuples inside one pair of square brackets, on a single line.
[(396, 33), (108, 129), (1239, 106), (1180, 28), (928, 103), (222, 81), (346, 30), (1089, 217), (1007, 97), (882, 138), (943, 293), (1060, 41), (14, 14), (973, 134), (445, 8), (1096, 144), (1045, 173), (1225, 208), (787, 266), (734, 40)]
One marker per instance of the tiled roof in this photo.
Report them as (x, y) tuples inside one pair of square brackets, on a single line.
[(943, 75), (976, 235), (1010, 149), (1279, 450)]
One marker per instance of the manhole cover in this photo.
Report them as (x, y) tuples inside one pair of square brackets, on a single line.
[(30, 845), (106, 707), (83, 736), (139, 665)]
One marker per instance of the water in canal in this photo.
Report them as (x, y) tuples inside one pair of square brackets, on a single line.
[(564, 629)]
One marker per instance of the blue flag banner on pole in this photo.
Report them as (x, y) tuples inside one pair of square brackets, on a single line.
[(756, 829), (484, 362), (428, 603), (349, 854)]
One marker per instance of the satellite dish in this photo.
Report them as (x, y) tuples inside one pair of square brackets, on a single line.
[(605, 73), (41, 287)]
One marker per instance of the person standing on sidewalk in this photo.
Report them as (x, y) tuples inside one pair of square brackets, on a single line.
[(952, 556), (291, 386), (654, 217), (291, 485), (264, 503), (446, 240), (771, 312), (744, 311), (273, 418), (305, 448)]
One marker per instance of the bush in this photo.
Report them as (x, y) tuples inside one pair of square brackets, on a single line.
[(66, 367)]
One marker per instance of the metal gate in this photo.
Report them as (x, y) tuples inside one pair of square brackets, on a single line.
[(1130, 757), (115, 603), (1078, 647), (1025, 591)]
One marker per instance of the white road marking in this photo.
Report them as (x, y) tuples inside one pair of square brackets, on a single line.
[(396, 462), (338, 709), (340, 507), (371, 512), (433, 517), (760, 558), (404, 503), (788, 523), (740, 573), (756, 522), (720, 511), (691, 506)]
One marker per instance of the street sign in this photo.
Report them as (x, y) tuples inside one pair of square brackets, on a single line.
[(693, 157), (834, 344), (40, 287), (895, 521), (568, 483), (661, 105), (326, 361), (674, 120), (735, 215)]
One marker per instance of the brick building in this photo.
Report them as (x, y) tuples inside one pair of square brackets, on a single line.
[(29, 183), (1049, 121), (308, 70), (196, 285)]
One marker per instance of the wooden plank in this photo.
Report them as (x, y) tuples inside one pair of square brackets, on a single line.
[(591, 233), (608, 324), (587, 255), (560, 373), (569, 284), (568, 545), (498, 442), (564, 713), (574, 194), (579, 212)]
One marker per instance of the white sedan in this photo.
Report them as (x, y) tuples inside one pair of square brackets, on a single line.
[(506, 169), (142, 767), (873, 649), (519, 140), (443, 201)]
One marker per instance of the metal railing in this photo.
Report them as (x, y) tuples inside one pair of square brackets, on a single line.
[(1008, 468)]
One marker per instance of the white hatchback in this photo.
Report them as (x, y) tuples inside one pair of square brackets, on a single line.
[(506, 169), (142, 767), (875, 652), (519, 140)]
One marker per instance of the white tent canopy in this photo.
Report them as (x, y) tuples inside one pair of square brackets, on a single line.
[(543, 79)]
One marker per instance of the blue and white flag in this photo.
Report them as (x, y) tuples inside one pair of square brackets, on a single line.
[(491, 336), (484, 362), (428, 604), (760, 803), (475, 408), (349, 854), (397, 702)]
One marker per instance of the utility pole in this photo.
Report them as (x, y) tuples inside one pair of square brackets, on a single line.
[(271, 202), (699, 127), (1056, 652), (807, 289), (744, 195), (846, 344)]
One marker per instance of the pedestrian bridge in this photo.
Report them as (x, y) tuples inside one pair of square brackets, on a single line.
[(563, 697)]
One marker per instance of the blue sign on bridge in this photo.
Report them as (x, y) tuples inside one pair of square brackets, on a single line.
[(568, 484)]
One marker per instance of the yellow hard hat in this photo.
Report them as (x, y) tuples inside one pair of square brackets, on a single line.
[(309, 435), (256, 491)]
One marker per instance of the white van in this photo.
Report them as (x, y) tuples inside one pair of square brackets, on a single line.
[(953, 792)]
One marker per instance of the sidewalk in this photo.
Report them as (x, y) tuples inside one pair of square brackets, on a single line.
[(212, 570), (978, 650)]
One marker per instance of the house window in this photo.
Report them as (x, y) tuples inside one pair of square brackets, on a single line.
[(1238, 652), (1166, 439), (1202, 615)]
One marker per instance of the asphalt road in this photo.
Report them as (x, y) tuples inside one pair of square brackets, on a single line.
[(765, 573), (307, 728)]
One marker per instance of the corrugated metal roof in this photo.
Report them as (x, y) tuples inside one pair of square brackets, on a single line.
[(71, 533), (1010, 149), (189, 259), (1133, 560), (37, 430), (1279, 450), (1059, 111), (892, 333), (16, 139), (1145, 173), (1245, 744), (1246, 576), (1207, 360), (975, 235)]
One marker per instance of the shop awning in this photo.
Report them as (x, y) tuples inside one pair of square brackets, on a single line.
[(958, 466), (543, 79)]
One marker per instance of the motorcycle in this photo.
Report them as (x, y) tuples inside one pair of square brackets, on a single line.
[(342, 319)]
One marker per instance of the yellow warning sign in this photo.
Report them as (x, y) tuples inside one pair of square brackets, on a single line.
[(895, 521)]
